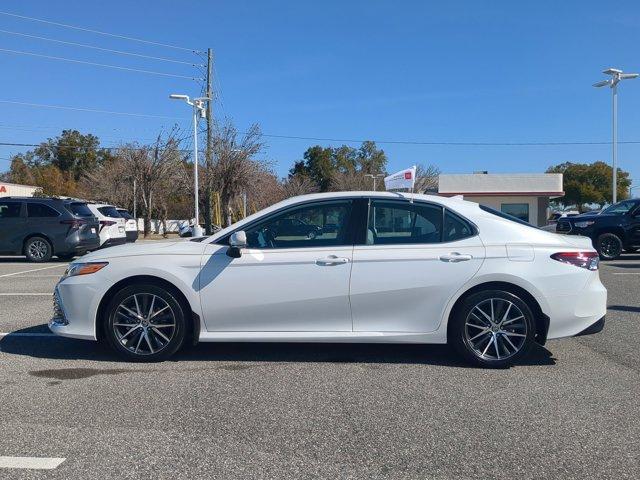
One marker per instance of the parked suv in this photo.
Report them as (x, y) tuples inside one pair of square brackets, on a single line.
[(615, 229), (43, 227), (130, 226), (112, 229)]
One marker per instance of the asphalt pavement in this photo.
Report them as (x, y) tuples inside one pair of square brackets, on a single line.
[(303, 411)]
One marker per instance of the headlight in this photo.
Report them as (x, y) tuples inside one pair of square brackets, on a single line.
[(586, 224), (87, 268)]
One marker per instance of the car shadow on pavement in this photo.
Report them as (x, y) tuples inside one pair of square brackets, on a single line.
[(58, 348), (624, 308)]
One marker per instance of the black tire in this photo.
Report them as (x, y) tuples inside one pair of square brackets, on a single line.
[(631, 250), (609, 246), (522, 333), (123, 343), (38, 249)]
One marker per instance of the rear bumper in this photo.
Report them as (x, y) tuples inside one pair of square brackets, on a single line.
[(595, 328), (114, 241), (571, 315)]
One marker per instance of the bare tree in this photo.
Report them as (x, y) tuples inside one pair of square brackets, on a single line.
[(426, 178), (352, 180), (235, 164), (298, 184)]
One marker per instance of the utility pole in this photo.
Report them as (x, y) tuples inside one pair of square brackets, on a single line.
[(374, 177), (209, 149)]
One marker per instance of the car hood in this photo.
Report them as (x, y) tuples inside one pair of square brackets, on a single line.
[(145, 248)]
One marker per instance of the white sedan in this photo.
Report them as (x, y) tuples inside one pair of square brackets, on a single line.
[(380, 267)]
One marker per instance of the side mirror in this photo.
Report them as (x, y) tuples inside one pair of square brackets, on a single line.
[(237, 241)]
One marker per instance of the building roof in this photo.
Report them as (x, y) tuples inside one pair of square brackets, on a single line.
[(539, 184)]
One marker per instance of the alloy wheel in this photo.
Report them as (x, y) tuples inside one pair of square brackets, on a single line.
[(610, 247), (144, 323), (38, 249), (495, 329)]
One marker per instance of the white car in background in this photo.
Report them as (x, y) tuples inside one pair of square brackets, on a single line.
[(112, 226), (383, 268), (130, 226)]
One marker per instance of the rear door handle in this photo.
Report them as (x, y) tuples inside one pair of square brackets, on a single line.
[(455, 257), (331, 260)]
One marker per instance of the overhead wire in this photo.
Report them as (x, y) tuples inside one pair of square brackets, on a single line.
[(99, 32), (94, 47), (119, 67)]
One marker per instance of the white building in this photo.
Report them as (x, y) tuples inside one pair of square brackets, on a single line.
[(15, 190), (523, 195)]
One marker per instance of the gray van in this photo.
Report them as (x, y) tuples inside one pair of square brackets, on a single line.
[(40, 228)]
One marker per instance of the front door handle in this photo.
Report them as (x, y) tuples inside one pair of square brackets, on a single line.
[(331, 260), (455, 257)]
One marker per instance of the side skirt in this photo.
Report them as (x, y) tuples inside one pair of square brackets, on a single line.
[(325, 337)]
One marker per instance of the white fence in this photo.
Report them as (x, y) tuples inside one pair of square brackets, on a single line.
[(156, 225)]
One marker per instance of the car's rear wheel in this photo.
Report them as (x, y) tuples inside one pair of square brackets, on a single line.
[(492, 328), (609, 246), (38, 249), (145, 323)]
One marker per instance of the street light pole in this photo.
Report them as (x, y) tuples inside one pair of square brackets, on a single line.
[(616, 77), (198, 109), (374, 177)]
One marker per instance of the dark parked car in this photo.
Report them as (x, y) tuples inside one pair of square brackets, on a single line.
[(292, 227), (614, 230), (43, 227)]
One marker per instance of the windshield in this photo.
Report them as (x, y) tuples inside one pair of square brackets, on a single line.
[(505, 216), (620, 208)]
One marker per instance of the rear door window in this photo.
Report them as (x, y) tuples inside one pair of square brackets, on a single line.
[(10, 209), (403, 223), (40, 210)]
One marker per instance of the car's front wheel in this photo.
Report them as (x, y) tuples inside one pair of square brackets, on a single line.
[(609, 246), (145, 323), (492, 328)]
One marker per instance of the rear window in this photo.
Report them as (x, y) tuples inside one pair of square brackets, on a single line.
[(40, 210), (505, 216), (125, 214), (109, 212), (79, 209)]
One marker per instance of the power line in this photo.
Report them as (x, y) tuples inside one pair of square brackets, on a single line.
[(120, 52), (83, 29), (90, 110), (51, 57), (462, 144), (331, 139)]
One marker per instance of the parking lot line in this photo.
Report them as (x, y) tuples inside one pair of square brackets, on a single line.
[(31, 463), (625, 273), (32, 270)]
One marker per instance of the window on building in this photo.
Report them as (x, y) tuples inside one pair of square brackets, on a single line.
[(518, 210)]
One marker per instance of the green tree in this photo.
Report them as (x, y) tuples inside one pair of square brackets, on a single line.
[(326, 166), (71, 152), (590, 183)]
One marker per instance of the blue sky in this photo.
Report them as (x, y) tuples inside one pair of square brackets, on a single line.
[(467, 71)]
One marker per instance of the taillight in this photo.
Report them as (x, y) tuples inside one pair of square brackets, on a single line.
[(76, 223), (107, 223), (588, 260)]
